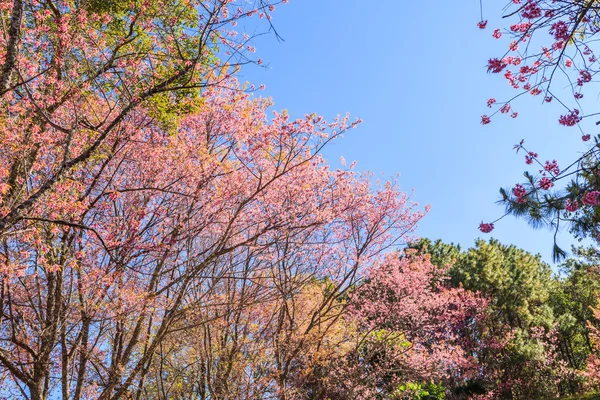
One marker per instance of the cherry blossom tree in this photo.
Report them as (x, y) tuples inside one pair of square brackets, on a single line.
[(412, 330), (75, 74), (149, 234), (552, 45), (145, 197)]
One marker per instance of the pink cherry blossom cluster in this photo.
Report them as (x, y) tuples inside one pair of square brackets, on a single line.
[(545, 183), (531, 10), (520, 193), (571, 205), (552, 167), (591, 198), (486, 227), (570, 119), (529, 157)]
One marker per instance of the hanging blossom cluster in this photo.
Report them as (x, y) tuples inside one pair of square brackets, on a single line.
[(570, 119), (486, 227)]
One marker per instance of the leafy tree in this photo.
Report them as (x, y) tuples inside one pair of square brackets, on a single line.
[(518, 284), (553, 45), (573, 303), (440, 253), (518, 353)]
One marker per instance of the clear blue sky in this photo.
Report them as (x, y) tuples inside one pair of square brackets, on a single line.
[(415, 73)]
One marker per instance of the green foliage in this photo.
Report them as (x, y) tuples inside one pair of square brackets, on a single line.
[(584, 397), (442, 254), (103, 6), (169, 107), (172, 43), (518, 287), (419, 391), (392, 339), (525, 298), (577, 294), (517, 283)]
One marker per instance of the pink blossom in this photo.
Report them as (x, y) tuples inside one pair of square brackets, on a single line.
[(496, 65), (531, 10), (584, 77), (485, 120), (590, 198), (519, 192), (520, 28), (482, 24), (529, 157), (552, 167), (560, 30), (545, 183), (570, 119), (571, 205), (486, 228)]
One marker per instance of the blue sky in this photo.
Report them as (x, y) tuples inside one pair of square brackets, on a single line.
[(415, 72)]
